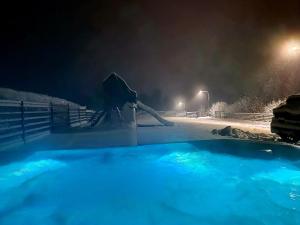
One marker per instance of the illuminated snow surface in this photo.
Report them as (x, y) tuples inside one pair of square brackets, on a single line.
[(165, 184)]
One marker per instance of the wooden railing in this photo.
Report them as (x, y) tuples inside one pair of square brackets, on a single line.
[(245, 116), (22, 121), (173, 113), (267, 117)]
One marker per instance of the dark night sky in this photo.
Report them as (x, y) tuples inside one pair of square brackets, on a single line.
[(65, 48)]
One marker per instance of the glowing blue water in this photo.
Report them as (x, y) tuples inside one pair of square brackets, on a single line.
[(156, 184)]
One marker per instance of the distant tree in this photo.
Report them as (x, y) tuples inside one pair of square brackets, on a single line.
[(218, 106), (268, 108), (247, 104)]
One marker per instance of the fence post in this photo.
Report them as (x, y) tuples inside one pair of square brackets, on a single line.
[(22, 121), (51, 116), (86, 119), (79, 116), (68, 115)]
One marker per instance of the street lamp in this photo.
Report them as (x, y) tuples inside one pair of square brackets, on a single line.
[(201, 92), (180, 105)]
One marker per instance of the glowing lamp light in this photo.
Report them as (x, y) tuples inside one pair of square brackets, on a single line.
[(290, 48), (200, 93), (180, 105)]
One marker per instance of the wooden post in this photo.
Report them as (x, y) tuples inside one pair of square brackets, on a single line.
[(51, 116), (68, 116), (84, 117), (79, 116), (23, 121)]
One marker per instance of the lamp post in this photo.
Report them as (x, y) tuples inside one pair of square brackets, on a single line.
[(180, 105), (200, 93)]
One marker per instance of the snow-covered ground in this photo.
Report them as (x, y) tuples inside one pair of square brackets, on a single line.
[(190, 129), (149, 131), (247, 125)]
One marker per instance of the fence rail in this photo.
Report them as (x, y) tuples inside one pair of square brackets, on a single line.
[(245, 116), (221, 114), (173, 113), (22, 121)]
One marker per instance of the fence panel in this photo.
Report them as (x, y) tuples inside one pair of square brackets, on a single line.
[(36, 120), (22, 121), (74, 116), (60, 118), (10, 123), (89, 114)]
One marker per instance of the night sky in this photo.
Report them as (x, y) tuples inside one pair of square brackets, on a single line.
[(65, 48)]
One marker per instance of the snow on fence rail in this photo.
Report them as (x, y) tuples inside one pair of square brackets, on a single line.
[(245, 116), (192, 114), (22, 121), (221, 114)]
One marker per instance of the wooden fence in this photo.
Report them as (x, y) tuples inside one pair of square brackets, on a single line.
[(192, 114), (267, 117), (22, 121)]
